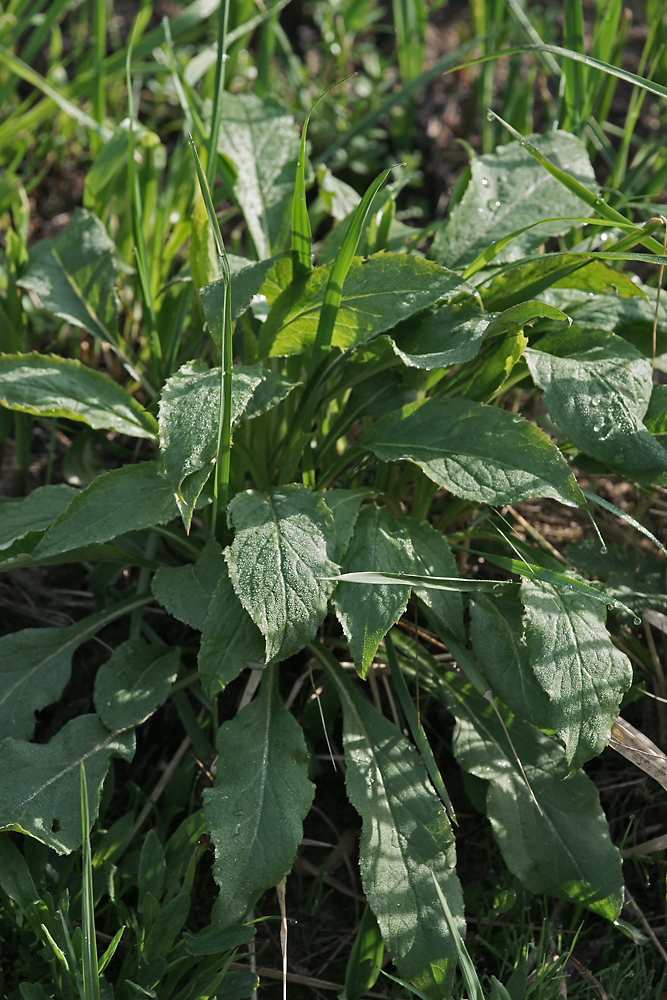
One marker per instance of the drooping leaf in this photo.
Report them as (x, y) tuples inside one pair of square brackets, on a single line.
[(377, 294), (576, 663), (477, 452), (247, 278), (496, 629), (445, 336), (598, 395), (508, 190), (344, 505), (185, 591), (33, 513), (262, 793), (278, 563), (189, 418), (230, 639), (122, 500), (562, 848), (405, 837), (368, 612), (134, 682), (50, 386), (75, 276), (36, 663), (271, 391), (40, 790), (258, 137)]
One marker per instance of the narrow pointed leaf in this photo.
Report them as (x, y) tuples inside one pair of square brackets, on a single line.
[(279, 563), (478, 452), (405, 836), (262, 793)]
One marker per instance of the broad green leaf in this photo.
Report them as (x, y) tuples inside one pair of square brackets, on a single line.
[(40, 792), (273, 388), (257, 136), (36, 663), (75, 276), (134, 682), (477, 452), (508, 190), (531, 278), (189, 419), (497, 632), (562, 848), (262, 793), (442, 337), (578, 666), (278, 561), (33, 513), (247, 278), (630, 318), (405, 838), (126, 499), (366, 613), (230, 639), (344, 505), (598, 395), (433, 557), (49, 386), (378, 293), (185, 591)]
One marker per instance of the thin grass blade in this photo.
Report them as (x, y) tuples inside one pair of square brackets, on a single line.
[(470, 977), (625, 517), (91, 975), (218, 90)]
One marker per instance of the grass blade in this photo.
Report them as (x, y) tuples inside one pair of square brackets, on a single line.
[(223, 453), (470, 977), (219, 87), (625, 517), (91, 976)]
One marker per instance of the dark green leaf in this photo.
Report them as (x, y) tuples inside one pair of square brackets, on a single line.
[(578, 666), (185, 591), (247, 278), (169, 922), (126, 499), (40, 792), (217, 942), (134, 681), (230, 639), (151, 868), (433, 557), (344, 505), (443, 337), (33, 513), (262, 793), (480, 453), (368, 612)]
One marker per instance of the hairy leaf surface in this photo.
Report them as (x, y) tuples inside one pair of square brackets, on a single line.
[(278, 562), (185, 591), (405, 837), (262, 793), (478, 452), (578, 666), (230, 639), (134, 681)]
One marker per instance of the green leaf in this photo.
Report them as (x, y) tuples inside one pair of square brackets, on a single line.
[(15, 878), (134, 682), (125, 499), (262, 793), (578, 666), (365, 961), (378, 293), (598, 395), (562, 848), (217, 942), (151, 868), (50, 386), (168, 924), (497, 632), (33, 513), (344, 505), (405, 836), (186, 591), (40, 783), (247, 278), (508, 190), (367, 613), (445, 336), (477, 452), (433, 557), (259, 139), (271, 391), (75, 276), (230, 639), (277, 563), (36, 663), (189, 417)]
